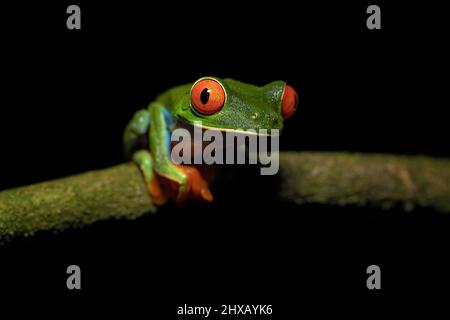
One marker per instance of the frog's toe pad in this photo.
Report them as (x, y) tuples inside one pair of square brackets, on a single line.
[(206, 194), (156, 192), (197, 187)]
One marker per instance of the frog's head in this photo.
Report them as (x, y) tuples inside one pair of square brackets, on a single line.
[(230, 105)]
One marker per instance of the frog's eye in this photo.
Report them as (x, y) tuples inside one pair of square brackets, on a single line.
[(207, 96), (289, 102)]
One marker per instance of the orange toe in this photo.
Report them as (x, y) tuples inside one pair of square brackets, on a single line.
[(206, 194), (197, 187), (157, 194)]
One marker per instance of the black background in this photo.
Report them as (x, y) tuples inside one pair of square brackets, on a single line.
[(66, 96)]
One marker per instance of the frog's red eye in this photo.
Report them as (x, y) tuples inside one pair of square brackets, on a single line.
[(207, 96), (289, 102)]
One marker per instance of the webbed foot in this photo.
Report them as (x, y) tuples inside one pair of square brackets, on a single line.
[(197, 187)]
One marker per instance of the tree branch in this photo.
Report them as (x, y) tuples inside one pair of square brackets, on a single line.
[(384, 181), (117, 192), (307, 177)]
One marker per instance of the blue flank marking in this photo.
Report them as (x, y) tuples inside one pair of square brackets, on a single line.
[(170, 124), (168, 119)]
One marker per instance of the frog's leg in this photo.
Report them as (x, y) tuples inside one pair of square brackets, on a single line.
[(137, 127), (159, 136), (190, 181), (144, 160), (156, 166)]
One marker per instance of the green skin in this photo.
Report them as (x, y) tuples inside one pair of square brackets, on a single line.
[(246, 107)]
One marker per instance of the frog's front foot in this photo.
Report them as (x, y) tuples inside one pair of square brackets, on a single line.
[(157, 191), (178, 183), (196, 187)]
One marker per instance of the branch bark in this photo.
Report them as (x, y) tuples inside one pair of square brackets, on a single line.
[(117, 192), (327, 178), (379, 180)]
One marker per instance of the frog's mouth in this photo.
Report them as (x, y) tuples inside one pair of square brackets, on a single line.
[(238, 131)]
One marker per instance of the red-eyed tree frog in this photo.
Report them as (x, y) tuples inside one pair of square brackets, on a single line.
[(218, 104)]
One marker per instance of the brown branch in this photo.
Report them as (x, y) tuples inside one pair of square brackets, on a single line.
[(365, 179), (307, 177), (117, 192)]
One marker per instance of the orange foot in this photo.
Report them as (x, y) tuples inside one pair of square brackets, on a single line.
[(197, 187), (162, 189), (158, 194)]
